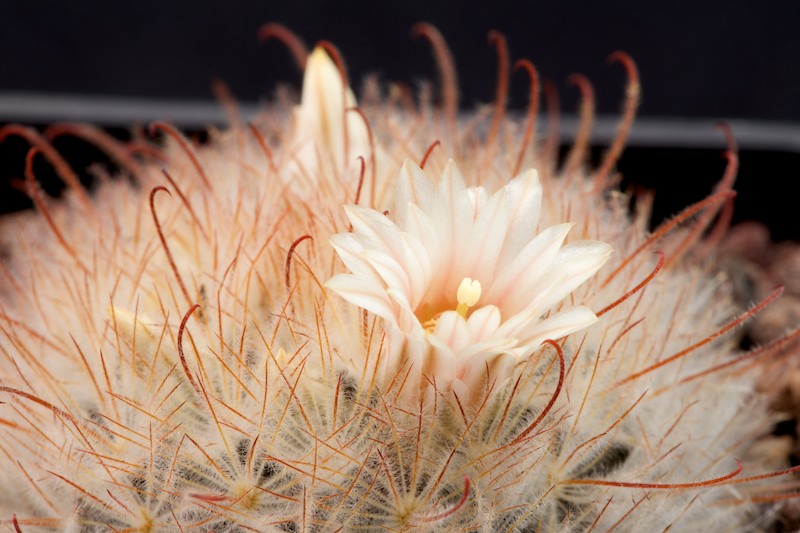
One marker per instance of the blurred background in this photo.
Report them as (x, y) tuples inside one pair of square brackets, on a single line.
[(699, 62)]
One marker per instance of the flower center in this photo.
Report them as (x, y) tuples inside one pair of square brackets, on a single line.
[(467, 295)]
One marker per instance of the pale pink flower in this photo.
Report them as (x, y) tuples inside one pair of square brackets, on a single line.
[(464, 276)]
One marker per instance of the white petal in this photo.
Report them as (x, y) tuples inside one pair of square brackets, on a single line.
[(351, 250), (322, 92), (364, 295), (516, 283), (488, 233), (483, 322), (574, 264), (559, 325), (520, 324), (450, 208), (523, 204), (354, 257), (413, 187), (423, 248), (374, 229), (452, 330), (478, 353), (321, 113), (378, 233), (479, 197), (452, 217), (407, 321), (420, 225), (390, 271)]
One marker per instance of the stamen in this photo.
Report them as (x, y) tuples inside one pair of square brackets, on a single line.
[(469, 292), (430, 325)]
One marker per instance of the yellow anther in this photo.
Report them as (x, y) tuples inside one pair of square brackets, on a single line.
[(469, 292), (430, 325)]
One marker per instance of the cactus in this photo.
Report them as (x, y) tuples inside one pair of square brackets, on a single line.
[(220, 344)]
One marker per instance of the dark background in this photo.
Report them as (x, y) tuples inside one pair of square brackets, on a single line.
[(735, 58), (713, 59)]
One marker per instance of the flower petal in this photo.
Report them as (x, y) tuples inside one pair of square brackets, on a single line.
[(559, 325), (479, 260), (321, 113), (413, 187), (483, 322), (574, 264), (424, 245), (516, 284), (479, 353), (407, 321), (390, 271), (376, 230), (353, 289), (523, 197), (452, 330), (450, 204), (351, 250)]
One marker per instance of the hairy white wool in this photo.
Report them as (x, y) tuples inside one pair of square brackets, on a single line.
[(276, 419)]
